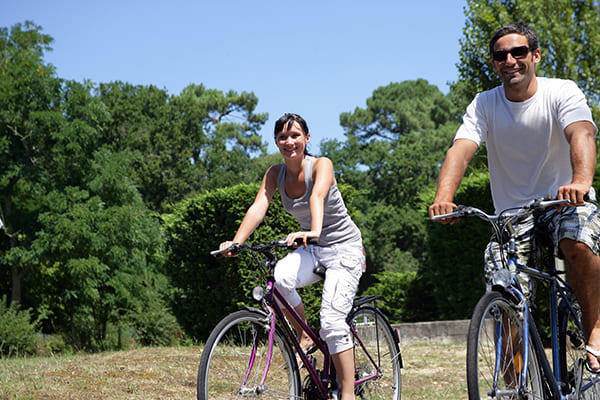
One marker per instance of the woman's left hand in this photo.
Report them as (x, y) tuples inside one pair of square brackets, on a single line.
[(292, 237)]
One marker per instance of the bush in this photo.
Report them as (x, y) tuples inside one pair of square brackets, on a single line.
[(395, 288), (209, 288), (52, 344), (17, 332), (454, 275)]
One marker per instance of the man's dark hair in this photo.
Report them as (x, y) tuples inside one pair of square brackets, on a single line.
[(519, 28)]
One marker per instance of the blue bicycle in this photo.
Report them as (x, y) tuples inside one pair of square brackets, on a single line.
[(506, 358)]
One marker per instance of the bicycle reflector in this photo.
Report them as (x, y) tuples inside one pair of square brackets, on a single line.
[(258, 293)]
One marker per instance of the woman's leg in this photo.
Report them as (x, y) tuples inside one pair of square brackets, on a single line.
[(344, 264), (294, 271), (344, 365), (305, 341)]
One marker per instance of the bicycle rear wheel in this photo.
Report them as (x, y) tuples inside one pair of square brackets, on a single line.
[(577, 380), (381, 343), (495, 353), (234, 358)]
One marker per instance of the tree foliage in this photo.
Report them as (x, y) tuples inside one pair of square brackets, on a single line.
[(209, 288), (393, 151), (454, 271), (89, 171), (199, 140), (83, 166), (28, 89), (569, 39), (17, 330)]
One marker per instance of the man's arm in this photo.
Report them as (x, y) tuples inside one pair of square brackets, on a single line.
[(453, 170), (580, 136)]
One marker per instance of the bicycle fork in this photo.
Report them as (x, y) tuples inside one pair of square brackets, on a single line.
[(519, 357), (260, 388)]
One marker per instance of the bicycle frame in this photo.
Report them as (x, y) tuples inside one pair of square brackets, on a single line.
[(505, 281), (275, 312)]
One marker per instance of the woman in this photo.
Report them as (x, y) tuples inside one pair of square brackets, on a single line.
[(309, 192)]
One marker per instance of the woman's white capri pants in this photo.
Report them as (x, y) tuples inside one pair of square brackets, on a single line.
[(344, 265)]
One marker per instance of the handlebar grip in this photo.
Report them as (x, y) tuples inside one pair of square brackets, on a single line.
[(459, 212), (298, 242), (442, 216), (235, 248)]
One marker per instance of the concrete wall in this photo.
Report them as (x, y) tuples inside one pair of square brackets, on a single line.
[(434, 331)]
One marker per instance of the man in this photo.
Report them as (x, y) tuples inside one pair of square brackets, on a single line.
[(539, 136)]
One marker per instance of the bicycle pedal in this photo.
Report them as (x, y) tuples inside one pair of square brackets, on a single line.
[(312, 349)]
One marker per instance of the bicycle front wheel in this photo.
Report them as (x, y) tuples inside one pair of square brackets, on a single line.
[(577, 380), (235, 356), (379, 366), (495, 353)]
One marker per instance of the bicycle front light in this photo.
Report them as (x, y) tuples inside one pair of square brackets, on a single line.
[(502, 277), (258, 293)]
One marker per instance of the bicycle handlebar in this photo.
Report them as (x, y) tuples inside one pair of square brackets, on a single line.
[(467, 211), (237, 248)]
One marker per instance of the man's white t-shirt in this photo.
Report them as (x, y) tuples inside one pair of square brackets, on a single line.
[(528, 154)]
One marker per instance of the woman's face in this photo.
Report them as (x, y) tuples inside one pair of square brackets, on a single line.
[(292, 142)]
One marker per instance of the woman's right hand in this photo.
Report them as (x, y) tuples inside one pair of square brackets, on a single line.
[(225, 245)]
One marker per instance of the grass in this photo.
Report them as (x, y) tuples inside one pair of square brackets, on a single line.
[(431, 371)]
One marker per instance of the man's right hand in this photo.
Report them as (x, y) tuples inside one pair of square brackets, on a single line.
[(441, 208)]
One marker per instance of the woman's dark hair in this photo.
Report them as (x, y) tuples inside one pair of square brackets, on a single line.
[(287, 121), (519, 28)]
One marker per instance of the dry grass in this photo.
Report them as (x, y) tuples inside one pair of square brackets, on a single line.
[(151, 373), (434, 371), (431, 371)]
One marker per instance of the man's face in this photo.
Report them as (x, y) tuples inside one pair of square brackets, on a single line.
[(515, 71)]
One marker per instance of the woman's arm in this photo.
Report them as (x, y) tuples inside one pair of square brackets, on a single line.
[(257, 211)]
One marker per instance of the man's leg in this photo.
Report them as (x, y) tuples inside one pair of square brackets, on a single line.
[(583, 274)]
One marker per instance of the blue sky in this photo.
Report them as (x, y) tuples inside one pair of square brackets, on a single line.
[(314, 58)]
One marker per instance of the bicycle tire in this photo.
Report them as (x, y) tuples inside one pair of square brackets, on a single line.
[(226, 357), (491, 315), (577, 380), (381, 342)]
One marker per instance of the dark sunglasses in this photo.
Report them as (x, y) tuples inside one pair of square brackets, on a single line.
[(516, 52)]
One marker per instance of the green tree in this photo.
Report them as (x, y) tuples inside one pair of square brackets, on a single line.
[(395, 288), (101, 253), (17, 331), (398, 109), (28, 90), (393, 151), (223, 128), (199, 140), (569, 36)]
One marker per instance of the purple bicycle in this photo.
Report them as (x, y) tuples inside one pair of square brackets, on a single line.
[(252, 353)]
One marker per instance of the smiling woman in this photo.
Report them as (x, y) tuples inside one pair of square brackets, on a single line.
[(291, 131), (309, 192)]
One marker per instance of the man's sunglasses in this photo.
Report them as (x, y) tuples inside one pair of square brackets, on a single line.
[(516, 52)]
